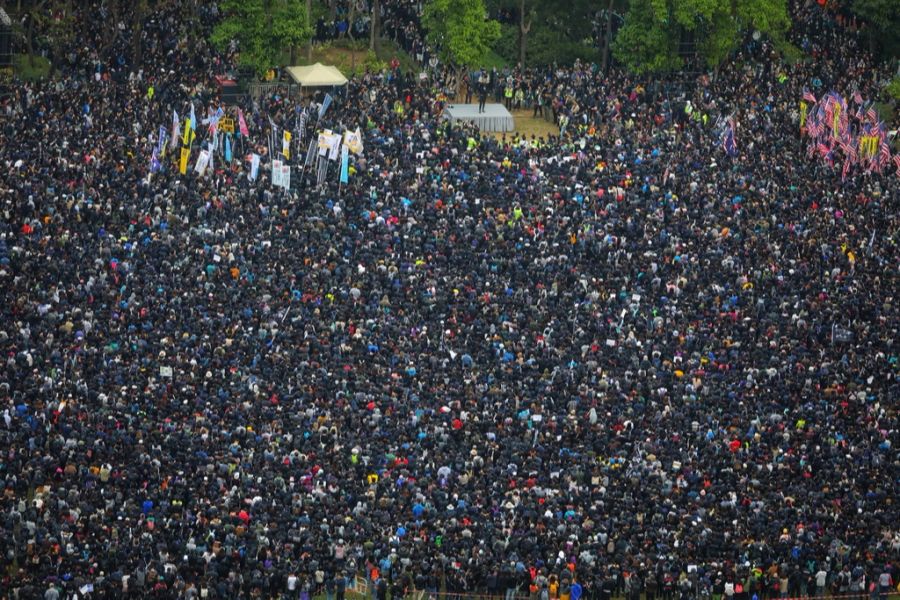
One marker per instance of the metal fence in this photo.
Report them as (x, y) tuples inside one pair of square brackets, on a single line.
[(267, 88)]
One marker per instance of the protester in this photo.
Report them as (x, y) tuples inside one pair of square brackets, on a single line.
[(610, 362)]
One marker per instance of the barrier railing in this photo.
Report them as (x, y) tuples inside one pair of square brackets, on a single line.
[(362, 583), (257, 90)]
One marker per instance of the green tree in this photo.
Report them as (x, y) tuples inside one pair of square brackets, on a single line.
[(653, 29), (568, 22), (262, 29), (643, 44), (883, 17), (460, 30)]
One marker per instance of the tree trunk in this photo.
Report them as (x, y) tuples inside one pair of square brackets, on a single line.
[(524, 28), (310, 23), (332, 9), (29, 40), (137, 36), (607, 36), (33, 15), (350, 19), (114, 23), (373, 27)]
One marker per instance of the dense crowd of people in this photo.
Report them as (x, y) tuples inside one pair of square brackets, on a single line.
[(615, 361)]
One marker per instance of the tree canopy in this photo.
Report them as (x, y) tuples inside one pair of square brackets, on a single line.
[(650, 38), (460, 30), (262, 29), (883, 17)]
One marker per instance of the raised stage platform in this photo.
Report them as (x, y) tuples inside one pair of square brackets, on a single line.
[(494, 118)]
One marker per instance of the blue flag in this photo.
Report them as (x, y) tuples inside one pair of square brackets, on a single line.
[(193, 118), (729, 143), (161, 142), (228, 148), (154, 161), (345, 164), (325, 104)]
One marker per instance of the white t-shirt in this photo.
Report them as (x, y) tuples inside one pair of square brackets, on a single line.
[(821, 576)]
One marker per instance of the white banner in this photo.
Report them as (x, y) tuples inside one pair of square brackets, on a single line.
[(202, 162), (254, 166), (276, 172)]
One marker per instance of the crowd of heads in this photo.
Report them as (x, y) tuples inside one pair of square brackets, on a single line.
[(613, 357)]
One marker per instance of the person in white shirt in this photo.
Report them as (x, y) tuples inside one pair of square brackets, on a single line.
[(821, 580)]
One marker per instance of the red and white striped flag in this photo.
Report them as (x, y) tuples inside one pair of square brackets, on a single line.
[(845, 170), (857, 97), (897, 162), (884, 154), (807, 95)]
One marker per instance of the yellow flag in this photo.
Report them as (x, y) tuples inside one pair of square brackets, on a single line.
[(868, 145), (182, 167), (188, 136), (837, 119), (802, 114), (286, 144)]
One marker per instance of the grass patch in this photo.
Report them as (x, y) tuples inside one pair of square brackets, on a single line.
[(388, 50), (31, 70), (352, 57), (789, 52), (528, 126), (493, 60)]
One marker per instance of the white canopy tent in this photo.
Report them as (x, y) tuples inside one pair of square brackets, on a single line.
[(317, 75)]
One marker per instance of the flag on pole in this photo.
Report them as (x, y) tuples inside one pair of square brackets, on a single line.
[(161, 142), (353, 140), (871, 115), (884, 154), (276, 172), (323, 172), (176, 129), (334, 142), (304, 118), (325, 104), (183, 164), (242, 124), (345, 164), (286, 144), (188, 137), (286, 176), (228, 156), (154, 161), (213, 120), (807, 95), (310, 154), (729, 143), (202, 162), (254, 166)]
